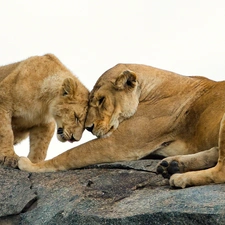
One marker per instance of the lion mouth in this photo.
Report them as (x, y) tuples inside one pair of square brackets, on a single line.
[(61, 134), (72, 139)]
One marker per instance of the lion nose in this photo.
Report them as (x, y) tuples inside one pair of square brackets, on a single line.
[(90, 129)]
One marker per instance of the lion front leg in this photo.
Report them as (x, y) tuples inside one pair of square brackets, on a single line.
[(8, 157), (45, 166), (203, 177), (40, 137)]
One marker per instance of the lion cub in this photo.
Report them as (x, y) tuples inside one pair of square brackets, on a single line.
[(34, 94)]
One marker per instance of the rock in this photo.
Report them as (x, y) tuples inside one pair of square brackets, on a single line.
[(117, 193)]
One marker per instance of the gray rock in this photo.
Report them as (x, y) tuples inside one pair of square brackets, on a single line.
[(118, 193)]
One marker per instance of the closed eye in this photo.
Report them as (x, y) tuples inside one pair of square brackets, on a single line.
[(65, 93), (76, 118), (101, 100)]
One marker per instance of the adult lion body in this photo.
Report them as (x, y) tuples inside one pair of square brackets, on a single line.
[(138, 110), (34, 93)]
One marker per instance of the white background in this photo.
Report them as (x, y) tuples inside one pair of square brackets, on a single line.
[(90, 36)]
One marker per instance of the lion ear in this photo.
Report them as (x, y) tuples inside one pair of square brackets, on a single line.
[(69, 86), (126, 80)]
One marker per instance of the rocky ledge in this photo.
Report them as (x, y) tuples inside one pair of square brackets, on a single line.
[(118, 193)]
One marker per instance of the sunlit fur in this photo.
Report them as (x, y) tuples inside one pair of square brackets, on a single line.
[(143, 111), (34, 94)]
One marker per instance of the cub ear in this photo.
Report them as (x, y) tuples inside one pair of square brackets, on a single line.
[(126, 80), (69, 86)]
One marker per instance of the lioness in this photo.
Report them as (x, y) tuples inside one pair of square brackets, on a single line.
[(34, 94), (138, 110)]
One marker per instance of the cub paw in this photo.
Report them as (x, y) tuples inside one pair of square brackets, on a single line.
[(167, 168), (9, 161), (25, 164)]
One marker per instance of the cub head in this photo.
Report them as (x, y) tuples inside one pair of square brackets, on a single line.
[(112, 100), (70, 109)]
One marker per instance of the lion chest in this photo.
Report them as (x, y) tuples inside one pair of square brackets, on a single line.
[(29, 119)]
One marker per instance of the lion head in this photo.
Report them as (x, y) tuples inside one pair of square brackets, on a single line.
[(69, 110), (114, 98)]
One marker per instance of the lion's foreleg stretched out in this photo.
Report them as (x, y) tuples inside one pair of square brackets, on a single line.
[(215, 174)]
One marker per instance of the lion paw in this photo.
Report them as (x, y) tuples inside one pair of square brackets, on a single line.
[(167, 168), (25, 164), (9, 161), (178, 180)]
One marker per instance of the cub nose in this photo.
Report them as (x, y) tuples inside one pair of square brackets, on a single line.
[(90, 129)]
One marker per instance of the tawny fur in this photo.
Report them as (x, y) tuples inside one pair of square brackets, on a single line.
[(34, 94), (138, 110)]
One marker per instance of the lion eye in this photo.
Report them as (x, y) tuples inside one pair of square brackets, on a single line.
[(76, 118), (65, 93), (101, 100)]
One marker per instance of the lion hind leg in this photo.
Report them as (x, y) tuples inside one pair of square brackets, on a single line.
[(215, 174), (184, 163)]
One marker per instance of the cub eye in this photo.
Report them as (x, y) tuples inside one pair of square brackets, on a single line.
[(76, 118), (101, 100), (65, 93)]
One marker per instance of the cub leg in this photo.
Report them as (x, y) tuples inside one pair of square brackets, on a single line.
[(7, 155), (40, 137), (215, 174), (184, 163)]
